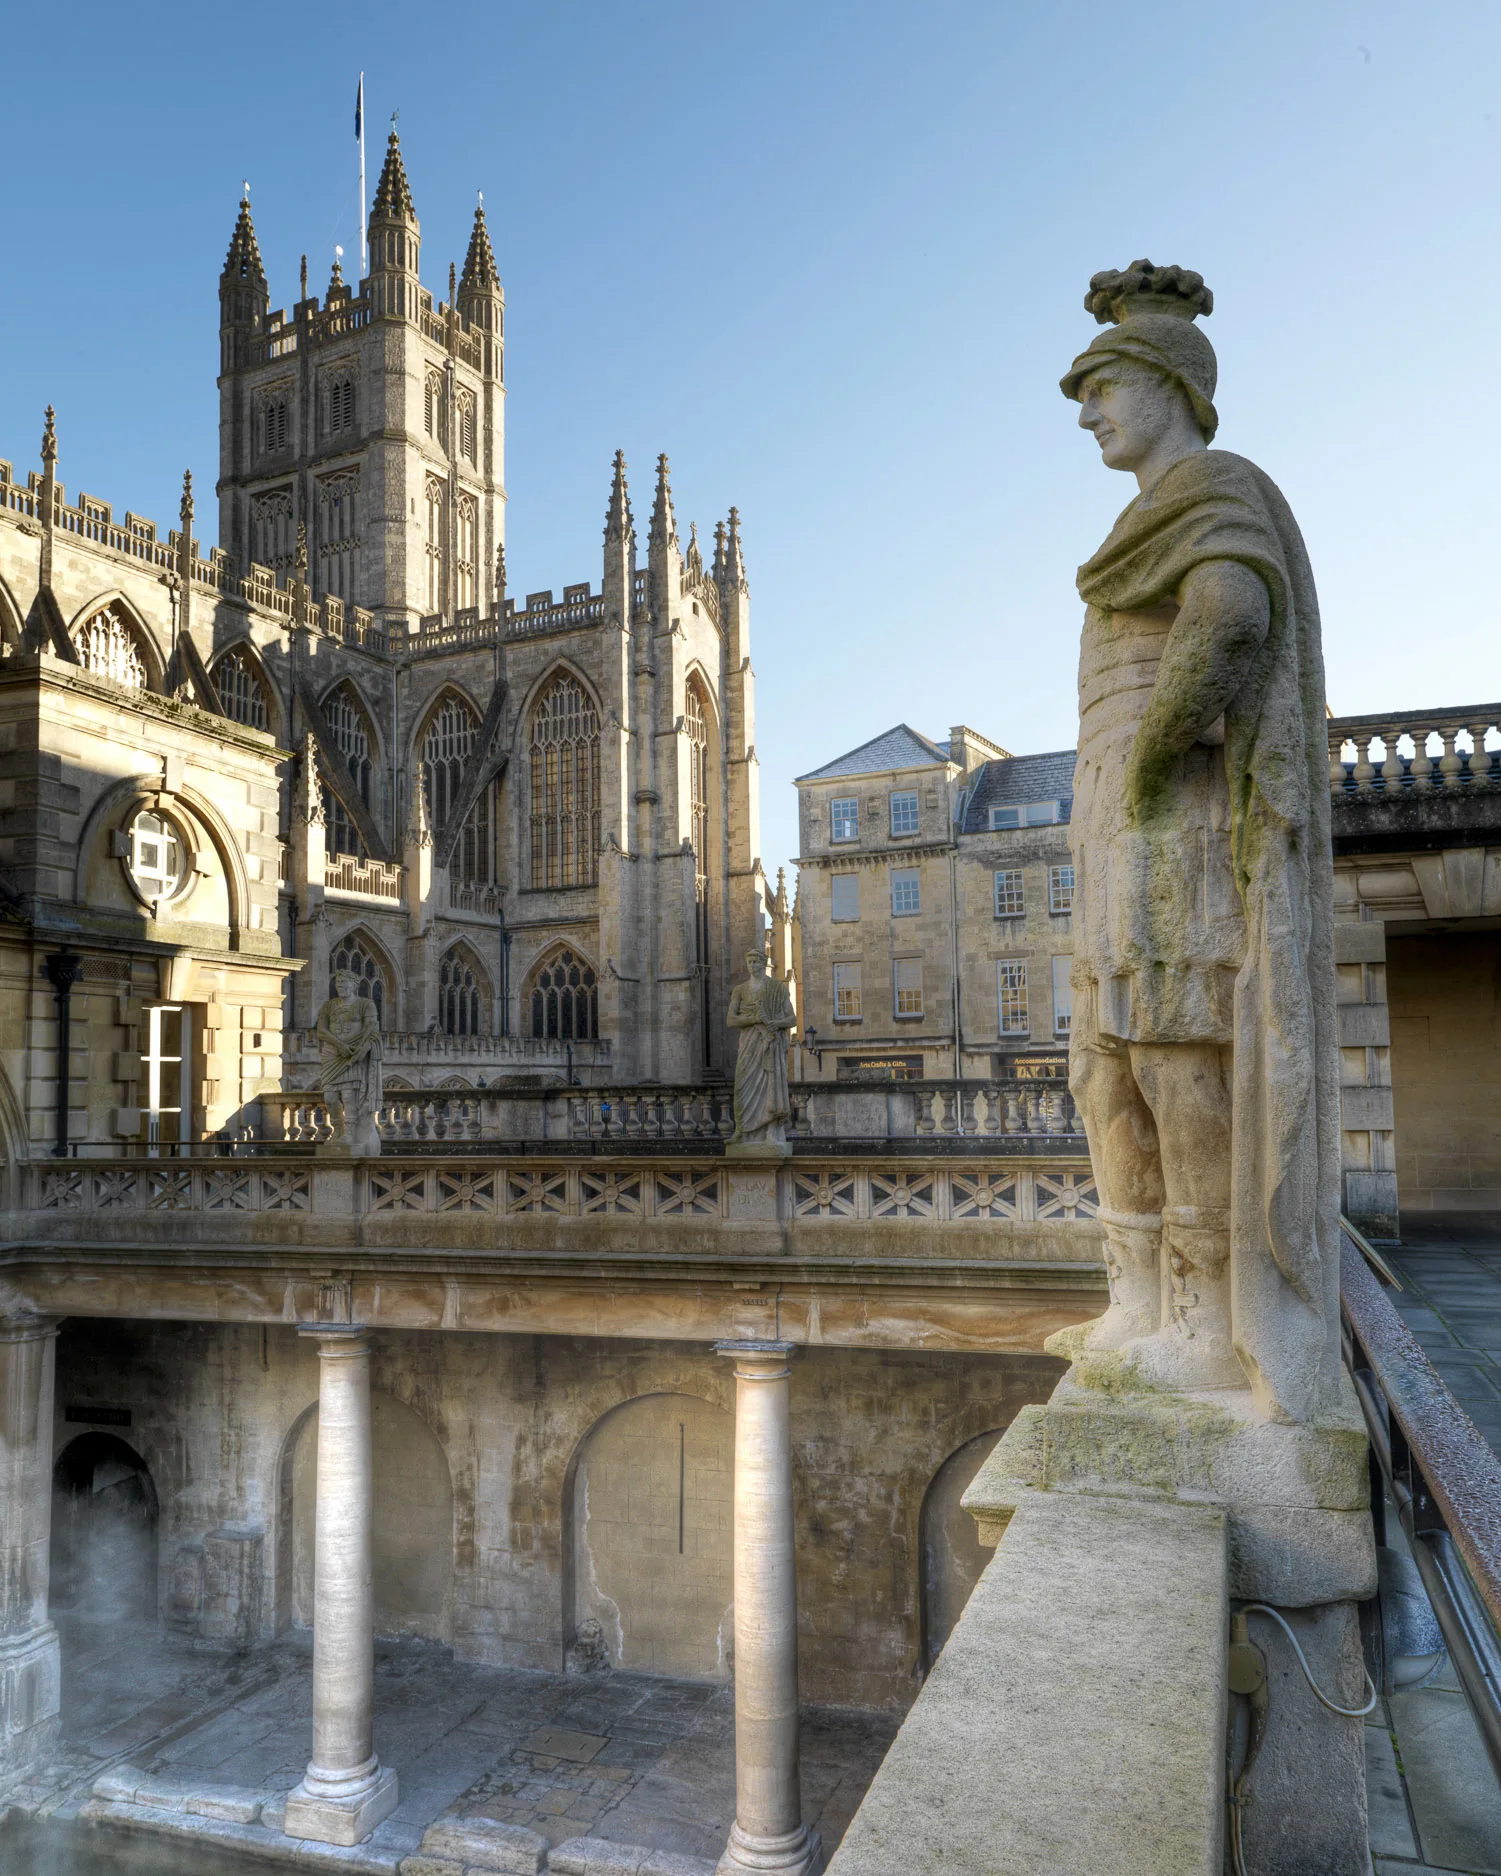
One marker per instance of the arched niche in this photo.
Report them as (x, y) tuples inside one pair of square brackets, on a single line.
[(104, 1533), (413, 1500), (951, 1552), (649, 1526)]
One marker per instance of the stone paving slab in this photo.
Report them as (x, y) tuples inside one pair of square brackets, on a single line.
[(642, 1767)]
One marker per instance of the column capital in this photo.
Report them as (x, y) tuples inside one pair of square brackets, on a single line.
[(337, 1339), (23, 1326), (757, 1360)]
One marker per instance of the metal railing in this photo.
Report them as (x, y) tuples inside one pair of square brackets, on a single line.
[(1441, 1476)]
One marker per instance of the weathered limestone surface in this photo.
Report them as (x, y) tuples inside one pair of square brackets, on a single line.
[(29, 1660), (1075, 1721)]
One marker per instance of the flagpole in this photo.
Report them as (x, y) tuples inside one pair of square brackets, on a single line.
[(364, 246)]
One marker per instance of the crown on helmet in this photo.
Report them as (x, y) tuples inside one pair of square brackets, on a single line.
[(1118, 294)]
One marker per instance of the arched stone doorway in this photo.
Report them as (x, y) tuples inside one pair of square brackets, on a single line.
[(413, 1497), (651, 1529), (104, 1519), (952, 1554)]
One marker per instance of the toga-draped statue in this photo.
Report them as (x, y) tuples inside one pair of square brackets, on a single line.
[(349, 1073), (1203, 1051), (761, 1009)]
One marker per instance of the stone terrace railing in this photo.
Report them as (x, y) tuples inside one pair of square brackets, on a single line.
[(964, 1192), (998, 1113), (466, 1055), (1417, 752)]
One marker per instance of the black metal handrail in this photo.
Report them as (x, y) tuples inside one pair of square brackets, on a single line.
[(1442, 1477)]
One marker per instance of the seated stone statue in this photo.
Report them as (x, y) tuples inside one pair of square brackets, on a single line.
[(1203, 1053), (761, 1009), (349, 1073)]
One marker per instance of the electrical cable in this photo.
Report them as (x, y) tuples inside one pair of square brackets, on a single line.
[(1345, 1713)]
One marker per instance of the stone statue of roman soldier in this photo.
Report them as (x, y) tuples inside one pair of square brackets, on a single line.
[(1203, 1052), (761, 1009), (349, 1073)]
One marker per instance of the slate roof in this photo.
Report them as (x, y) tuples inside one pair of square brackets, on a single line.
[(1047, 777), (900, 747)]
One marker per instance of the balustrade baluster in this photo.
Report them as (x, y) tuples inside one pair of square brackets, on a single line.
[(1365, 768), (1451, 762), (1391, 765), (1423, 764)]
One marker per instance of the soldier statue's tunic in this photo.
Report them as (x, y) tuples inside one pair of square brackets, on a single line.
[(1203, 1051)]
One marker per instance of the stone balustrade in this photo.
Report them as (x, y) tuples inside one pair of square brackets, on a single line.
[(1012, 1111), (1418, 752)]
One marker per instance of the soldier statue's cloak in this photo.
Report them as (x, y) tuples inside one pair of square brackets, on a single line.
[(1215, 506)]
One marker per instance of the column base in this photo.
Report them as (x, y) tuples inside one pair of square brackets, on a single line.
[(345, 1820), (797, 1853), (30, 1697)]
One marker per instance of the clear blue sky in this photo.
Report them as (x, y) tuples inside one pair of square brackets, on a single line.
[(830, 256)]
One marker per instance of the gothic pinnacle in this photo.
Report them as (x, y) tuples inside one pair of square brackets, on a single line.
[(393, 194), (185, 509), (663, 526), (618, 523), (49, 437), (480, 270), (243, 261), (717, 569), (694, 559), (734, 565), (336, 278)]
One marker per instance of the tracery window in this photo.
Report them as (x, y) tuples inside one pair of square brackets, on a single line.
[(240, 691), (273, 533), (338, 533), (565, 999), (467, 426), (347, 722), (565, 786), (432, 407), (353, 955), (434, 496), (446, 750), (467, 556), (107, 646), (461, 995)]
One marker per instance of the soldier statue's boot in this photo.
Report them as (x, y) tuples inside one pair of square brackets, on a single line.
[(1132, 1252), (1193, 1348)]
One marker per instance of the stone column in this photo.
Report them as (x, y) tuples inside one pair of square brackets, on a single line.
[(30, 1665), (345, 1792), (768, 1832)]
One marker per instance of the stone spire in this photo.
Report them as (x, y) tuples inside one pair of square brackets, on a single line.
[(619, 525), (243, 261), (664, 528), (49, 440), (717, 568), (480, 270), (693, 560), (185, 507), (500, 575), (393, 194)]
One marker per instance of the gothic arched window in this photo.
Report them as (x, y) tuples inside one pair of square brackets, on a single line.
[(565, 999), (432, 407), (351, 736), (565, 786), (107, 646), (273, 532), (340, 405), (466, 426), (462, 998), (338, 532), (468, 515), (696, 721), (446, 750), (352, 954), (240, 690), (275, 428), (434, 496)]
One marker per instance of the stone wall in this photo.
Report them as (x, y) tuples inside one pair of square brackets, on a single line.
[(526, 1427), (1444, 991)]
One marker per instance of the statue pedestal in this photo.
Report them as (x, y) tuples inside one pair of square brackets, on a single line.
[(774, 1150), (1298, 1537)]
